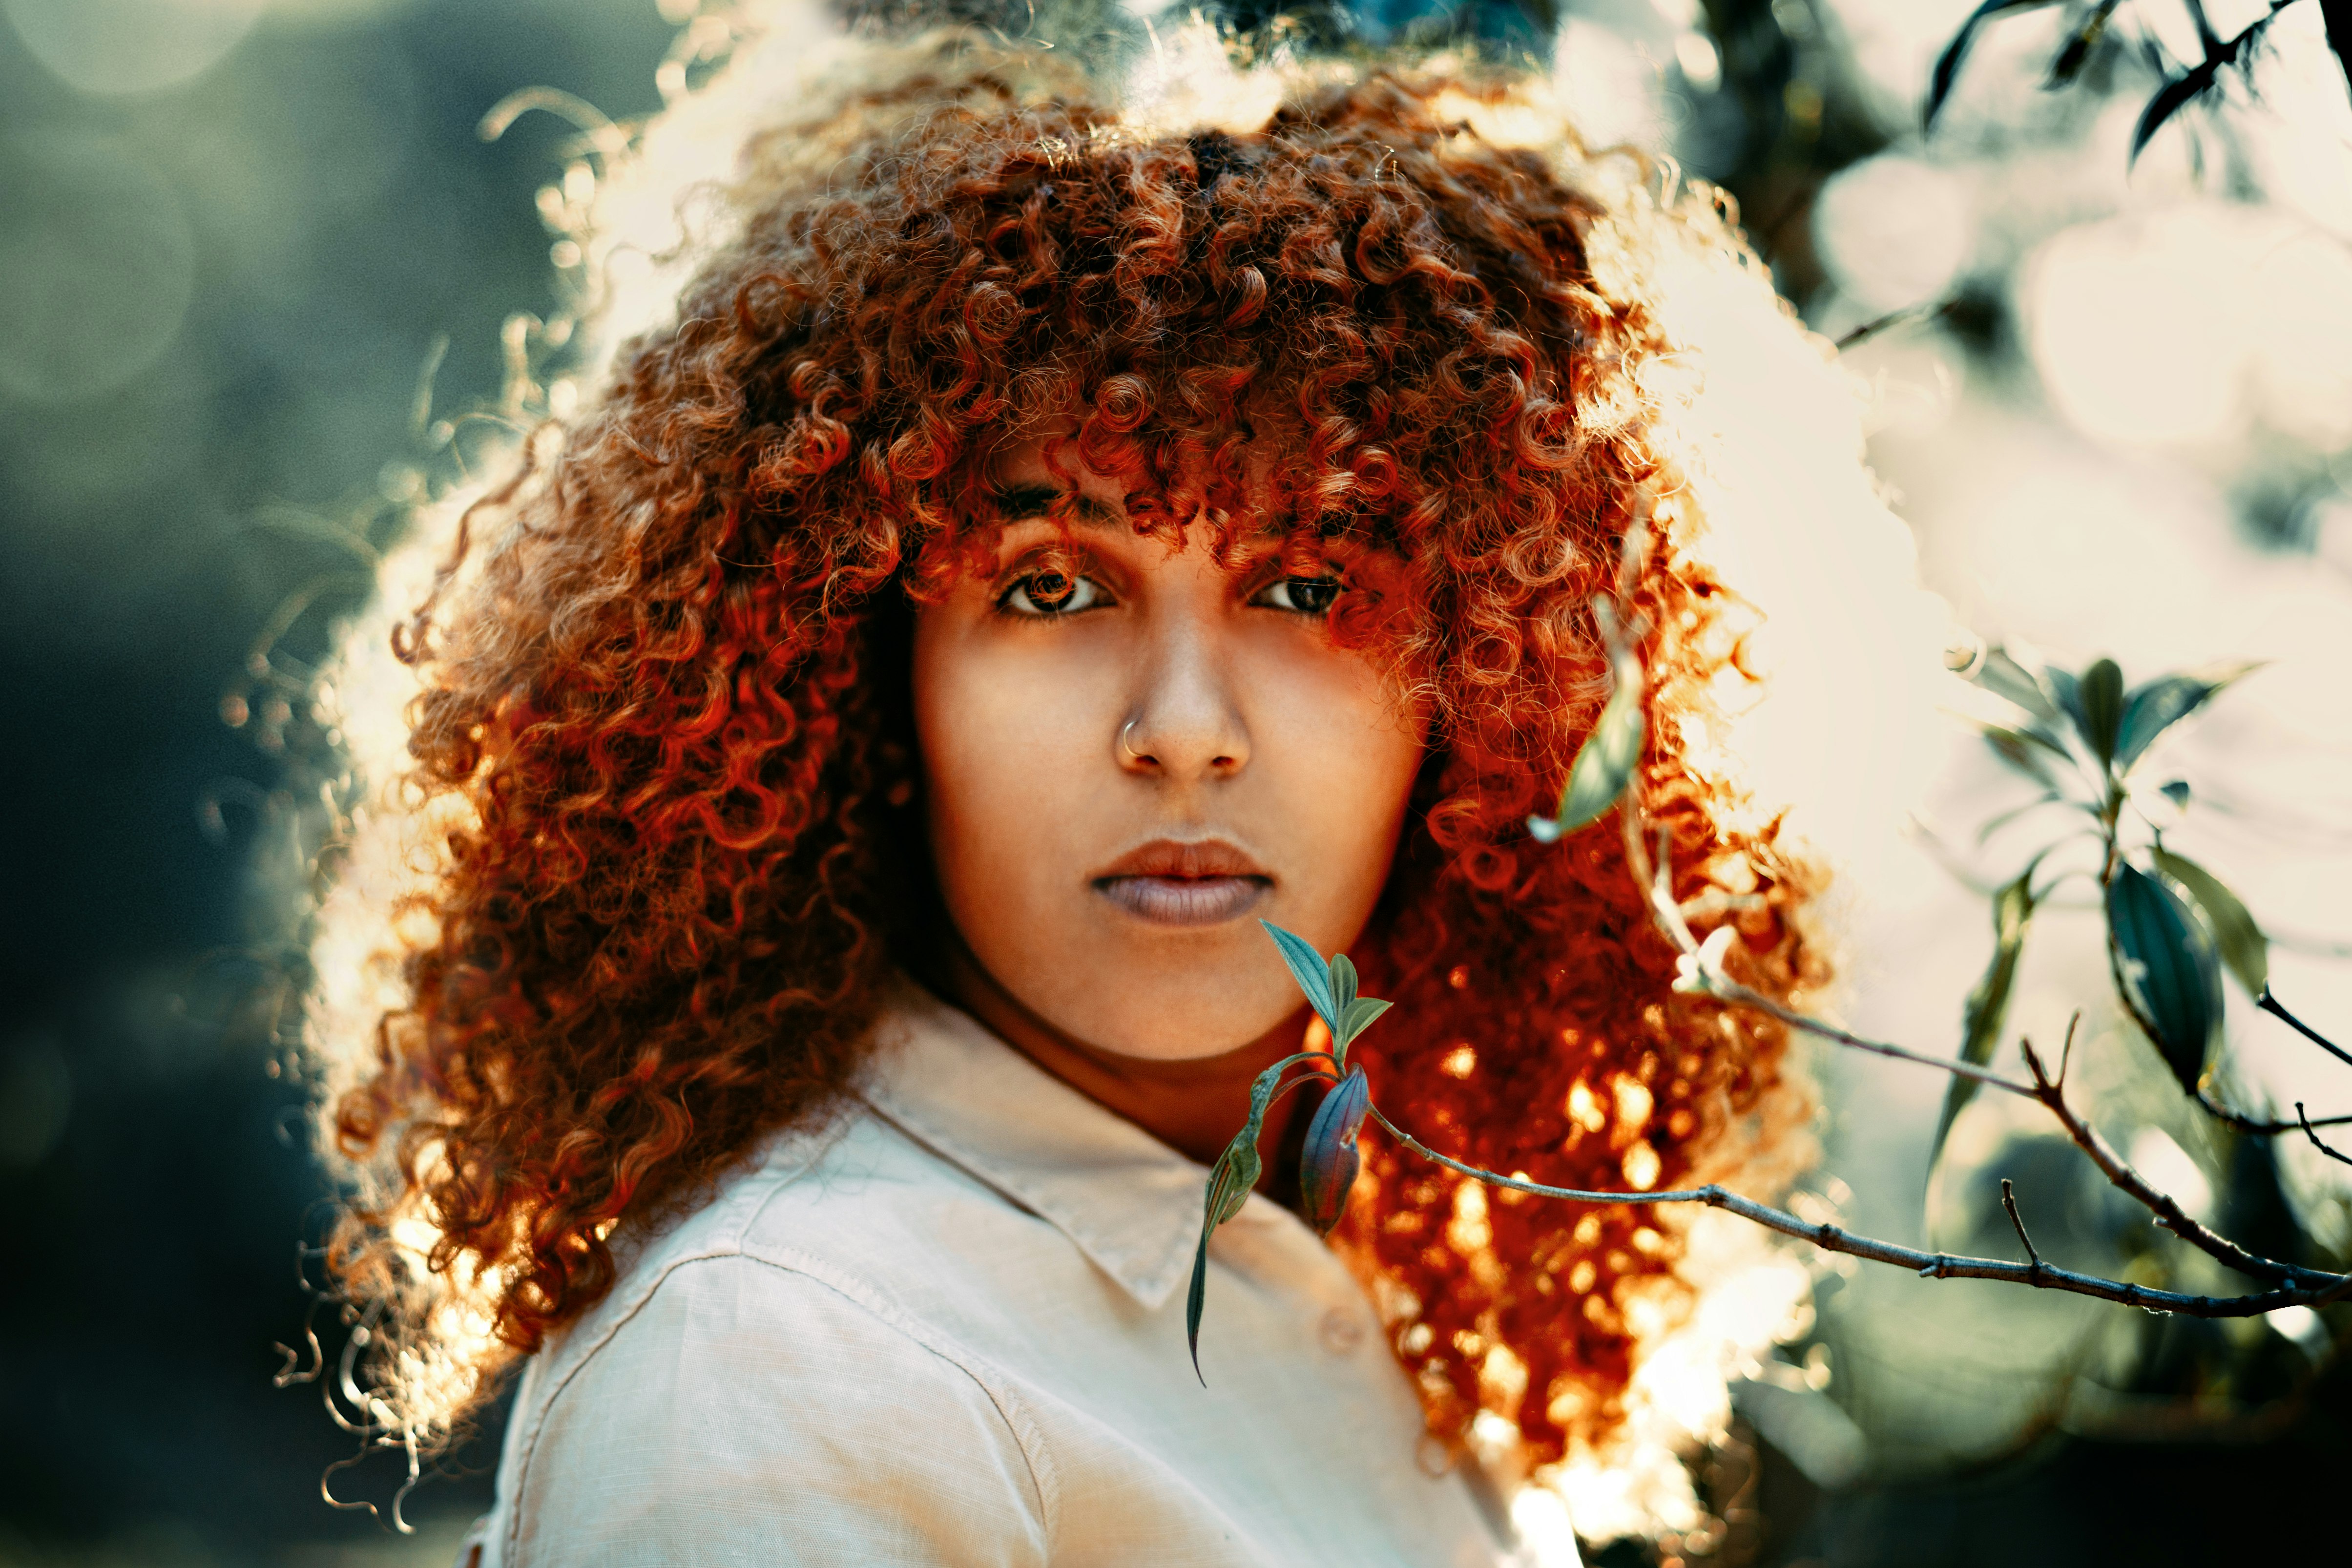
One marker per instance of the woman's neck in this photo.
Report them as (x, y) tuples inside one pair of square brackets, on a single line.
[(1194, 1106)]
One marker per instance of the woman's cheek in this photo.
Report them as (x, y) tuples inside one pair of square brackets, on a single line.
[(1004, 734), (1347, 754)]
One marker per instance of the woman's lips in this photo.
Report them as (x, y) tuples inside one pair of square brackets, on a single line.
[(1176, 884), (1183, 900)]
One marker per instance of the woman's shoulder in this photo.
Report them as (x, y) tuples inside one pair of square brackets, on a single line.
[(960, 1196), (761, 1353), (850, 1205)]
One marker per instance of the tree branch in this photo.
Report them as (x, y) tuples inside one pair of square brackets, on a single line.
[(2168, 1213), (2315, 1142), (2258, 1126), (1655, 878), (2200, 79), (1740, 995), (2038, 1275), (2009, 1202), (2271, 1004), (1924, 311), (1700, 969)]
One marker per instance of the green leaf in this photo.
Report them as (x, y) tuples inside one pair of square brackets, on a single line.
[(2166, 969), (2017, 748), (2102, 714), (1357, 1018), (1343, 987), (2002, 820), (1948, 64), (2171, 98), (1196, 1296), (2244, 947), (2338, 19), (2068, 694), (2004, 676), (2080, 43), (1604, 765), (1329, 1161), (2154, 707), (1306, 967), (1987, 1005), (1353, 1012), (1231, 1179)]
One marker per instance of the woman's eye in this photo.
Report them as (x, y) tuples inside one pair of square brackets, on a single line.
[(1050, 593), (1303, 595)]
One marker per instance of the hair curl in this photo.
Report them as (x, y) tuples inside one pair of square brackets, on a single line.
[(662, 718)]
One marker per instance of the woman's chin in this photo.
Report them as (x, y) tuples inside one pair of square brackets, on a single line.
[(1181, 1021)]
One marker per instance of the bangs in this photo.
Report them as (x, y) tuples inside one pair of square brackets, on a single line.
[(1257, 504), (1351, 329)]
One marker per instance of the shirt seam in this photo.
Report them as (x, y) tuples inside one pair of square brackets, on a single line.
[(730, 1245), (1044, 1482), (538, 1417)]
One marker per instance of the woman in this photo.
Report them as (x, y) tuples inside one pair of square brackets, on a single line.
[(789, 1001)]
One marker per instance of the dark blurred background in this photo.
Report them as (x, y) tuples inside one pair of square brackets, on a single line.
[(254, 255), (231, 238)]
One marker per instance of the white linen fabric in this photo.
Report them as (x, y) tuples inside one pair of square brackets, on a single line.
[(948, 1327)]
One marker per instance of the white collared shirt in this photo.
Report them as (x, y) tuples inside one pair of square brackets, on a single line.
[(948, 1327)]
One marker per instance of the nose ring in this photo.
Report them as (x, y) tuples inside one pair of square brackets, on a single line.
[(1124, 746)]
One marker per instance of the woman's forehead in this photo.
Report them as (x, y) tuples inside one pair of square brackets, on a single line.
[(1025, 466), (1033, 471)]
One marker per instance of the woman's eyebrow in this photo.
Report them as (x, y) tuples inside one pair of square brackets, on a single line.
[(1015, 502)]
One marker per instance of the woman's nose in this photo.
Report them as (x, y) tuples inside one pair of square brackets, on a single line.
[(1184, 724)]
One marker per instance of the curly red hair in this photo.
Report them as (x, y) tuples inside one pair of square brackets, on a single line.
[(663, 714)]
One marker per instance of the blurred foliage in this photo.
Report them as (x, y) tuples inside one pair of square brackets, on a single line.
[(2079, 738), (2088, 29)]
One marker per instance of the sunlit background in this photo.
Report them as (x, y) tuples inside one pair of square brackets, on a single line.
[(259, 272)]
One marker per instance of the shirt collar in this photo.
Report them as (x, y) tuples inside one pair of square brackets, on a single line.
[(1131, 1204)]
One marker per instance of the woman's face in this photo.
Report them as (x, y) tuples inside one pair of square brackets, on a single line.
[(1131, 755)]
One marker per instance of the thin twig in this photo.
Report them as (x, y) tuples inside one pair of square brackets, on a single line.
[(1741, 995), (1871, 329), (2315, 1141), (1944, 856), (2167, 1209), (2259, 1127), (1715, 903), (1927, 1265), (1655, 878), (1668, 914), (2270, 1004), (2009, 1202)]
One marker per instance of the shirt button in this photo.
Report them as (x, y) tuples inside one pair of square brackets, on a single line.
[(1341, 1332)]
